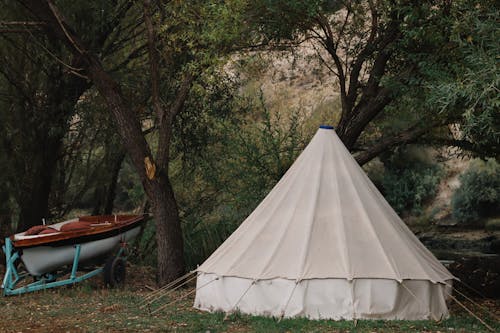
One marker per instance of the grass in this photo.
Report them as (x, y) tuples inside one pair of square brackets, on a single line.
[(90, 308)]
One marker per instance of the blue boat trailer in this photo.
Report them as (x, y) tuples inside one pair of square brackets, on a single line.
[(12, 277)]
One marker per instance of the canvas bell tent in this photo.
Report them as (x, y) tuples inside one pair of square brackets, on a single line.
[(324, 243)]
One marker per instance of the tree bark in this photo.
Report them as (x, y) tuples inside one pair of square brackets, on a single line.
[(364, 112), (170, 256)]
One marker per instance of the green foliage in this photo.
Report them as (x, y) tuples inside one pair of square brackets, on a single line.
[(229, 169), (130, 193), (279, 20), (239, 176), (409, 181), (479, 193), (143, 248), (421, 56), (470, 90)]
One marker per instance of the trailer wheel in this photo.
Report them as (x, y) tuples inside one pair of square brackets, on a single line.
[(114, 272)]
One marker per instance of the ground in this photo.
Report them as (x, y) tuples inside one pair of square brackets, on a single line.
[(89, 307)]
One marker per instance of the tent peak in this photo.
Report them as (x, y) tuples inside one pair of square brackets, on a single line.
[(326, 127)]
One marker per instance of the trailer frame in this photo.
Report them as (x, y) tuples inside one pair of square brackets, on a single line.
[(46, 281)]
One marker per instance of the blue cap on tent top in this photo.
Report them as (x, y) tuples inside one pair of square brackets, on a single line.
[(326, 126)]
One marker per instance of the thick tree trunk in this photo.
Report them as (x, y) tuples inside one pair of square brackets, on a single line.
[(364, 114), (157, 185), (99, 194), (168, 230)]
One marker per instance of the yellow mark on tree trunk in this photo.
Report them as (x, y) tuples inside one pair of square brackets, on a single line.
[(150, 168)]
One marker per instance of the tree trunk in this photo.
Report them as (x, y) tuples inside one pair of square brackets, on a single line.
[(5, 216), (168, 230), (34, 189), (111, 189), (33, 205), (105, 191)]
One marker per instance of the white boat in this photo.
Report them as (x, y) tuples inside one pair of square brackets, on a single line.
[(53, 247)]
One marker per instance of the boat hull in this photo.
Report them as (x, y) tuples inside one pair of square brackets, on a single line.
[(42, 259)]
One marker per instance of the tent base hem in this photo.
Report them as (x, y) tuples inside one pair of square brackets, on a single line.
[(337, 299)]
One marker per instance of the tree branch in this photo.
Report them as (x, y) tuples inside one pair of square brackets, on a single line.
[(360, 60), (109, 40), (182, 95), (409, 135), (365, 111), (164, 128), (20, 26), (330, 47), (136, 53), (22, 23), (15, 31), (154, 59), (57, 16)]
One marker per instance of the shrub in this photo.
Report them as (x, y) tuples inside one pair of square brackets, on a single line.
[(408, 189), (409, 180), (479, 193)]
